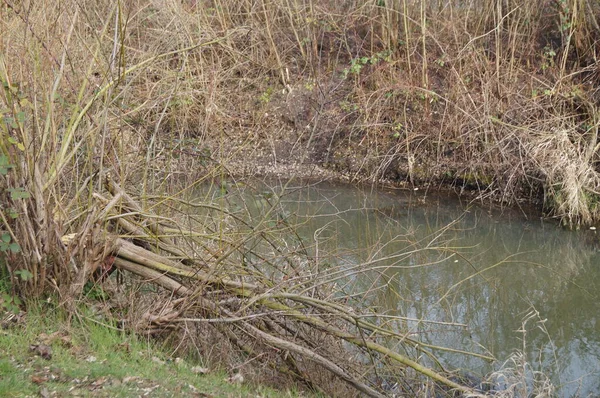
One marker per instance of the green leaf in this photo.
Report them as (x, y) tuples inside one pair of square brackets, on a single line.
[(25, 103), (14, 247), (16, 142), (6, 237), (4, 169), (12, 213), (24, 274), (18, 193), (11, 307)]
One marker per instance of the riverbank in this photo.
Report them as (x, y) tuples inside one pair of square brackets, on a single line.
[(497, 101), (113, 113), (47, 352)]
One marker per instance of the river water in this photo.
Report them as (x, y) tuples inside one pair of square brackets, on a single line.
[(472, 278)]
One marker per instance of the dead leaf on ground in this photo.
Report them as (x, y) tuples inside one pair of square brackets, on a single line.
[(116, 382), (197, 392), (124, 346), (98, 383), (129, 379), (199, 370), (236, 378), (61, 336), (158, 361), (42, 350), (38, 379), (148, 390), (10, 319)]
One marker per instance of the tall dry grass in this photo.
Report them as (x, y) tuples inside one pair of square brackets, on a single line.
[(480, 94), (497, 95)]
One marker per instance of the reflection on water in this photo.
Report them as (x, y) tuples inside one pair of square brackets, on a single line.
[(486, 270), (478, 274)]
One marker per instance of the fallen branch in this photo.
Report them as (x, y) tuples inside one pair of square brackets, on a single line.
[(235, 298), (149, 265)]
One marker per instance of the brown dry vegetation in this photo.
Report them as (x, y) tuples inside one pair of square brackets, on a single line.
[(500, 96)]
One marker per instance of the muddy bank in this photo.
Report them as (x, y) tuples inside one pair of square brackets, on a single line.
[(301, 135)]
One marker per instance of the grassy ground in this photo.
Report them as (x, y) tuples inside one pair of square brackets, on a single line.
[(44, 354)]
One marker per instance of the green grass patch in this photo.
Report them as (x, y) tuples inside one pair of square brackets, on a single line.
[(44, 354)]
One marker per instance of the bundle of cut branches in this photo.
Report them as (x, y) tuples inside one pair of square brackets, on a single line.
[(285, 314)]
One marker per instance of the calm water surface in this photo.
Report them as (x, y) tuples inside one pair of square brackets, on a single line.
[(514, 283)]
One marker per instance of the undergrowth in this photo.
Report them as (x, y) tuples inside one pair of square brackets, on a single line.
[(49, 352), (497, 96)]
